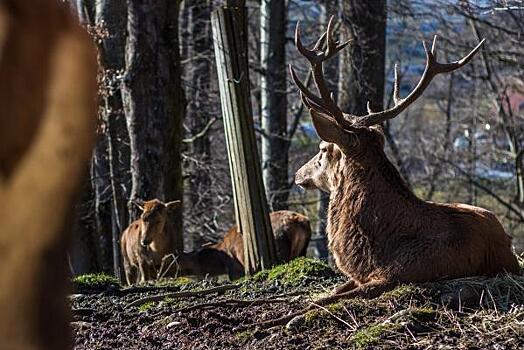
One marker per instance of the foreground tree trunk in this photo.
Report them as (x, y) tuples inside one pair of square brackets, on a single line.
[(274, 102), (362, 62), (152, 101)]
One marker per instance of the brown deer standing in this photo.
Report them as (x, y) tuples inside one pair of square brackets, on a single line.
[(147, 240), (292, 233), (379, 232)]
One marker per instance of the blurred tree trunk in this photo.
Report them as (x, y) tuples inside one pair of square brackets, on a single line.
[(110, 17), (153, 102), (274, 102), (362, 63)]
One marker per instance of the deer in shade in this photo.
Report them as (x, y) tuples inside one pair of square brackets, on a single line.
[(379, 232), (292, 233)]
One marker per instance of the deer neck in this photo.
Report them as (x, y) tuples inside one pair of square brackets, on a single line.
[(369, 195), (162, 244)]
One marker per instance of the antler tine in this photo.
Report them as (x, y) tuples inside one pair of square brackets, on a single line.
[(309, 54), (396, 87), (303, 89), (432, 69)]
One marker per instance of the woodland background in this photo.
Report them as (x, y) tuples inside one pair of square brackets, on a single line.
[(160, 132)]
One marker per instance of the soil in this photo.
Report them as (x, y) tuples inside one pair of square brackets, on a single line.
[(475, 313)]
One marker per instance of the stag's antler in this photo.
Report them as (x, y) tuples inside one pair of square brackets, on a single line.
[(326, 104)]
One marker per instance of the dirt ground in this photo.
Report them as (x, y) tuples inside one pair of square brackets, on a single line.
[(474, 313)]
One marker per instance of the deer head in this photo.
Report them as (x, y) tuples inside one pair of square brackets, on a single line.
[(348, 138), (154, 217)]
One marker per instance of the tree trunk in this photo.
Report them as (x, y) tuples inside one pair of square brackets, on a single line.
[(173, 184), (362, 63), (331, 73), (152, 101), (198, 44), (274, 101), (229, 28), (110, 15)]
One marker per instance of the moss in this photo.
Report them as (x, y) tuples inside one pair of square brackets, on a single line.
[(244, 335), (94, 281), (423, 314), (370, 335), (294, 272), (146, 307), (400, 292), (174, 282)]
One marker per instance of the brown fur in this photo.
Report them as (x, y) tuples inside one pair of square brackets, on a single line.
[(146, 241), (48, 115), (381, 234), (292, 234)]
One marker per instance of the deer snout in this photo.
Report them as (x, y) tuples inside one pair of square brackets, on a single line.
[(304, 180)]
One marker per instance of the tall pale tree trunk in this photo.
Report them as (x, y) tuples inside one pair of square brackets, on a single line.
[(331, 72), (152, 101), (274, 101)]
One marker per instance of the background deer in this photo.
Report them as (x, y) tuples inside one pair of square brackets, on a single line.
[(292, 234), (379, 232), (147, 240)]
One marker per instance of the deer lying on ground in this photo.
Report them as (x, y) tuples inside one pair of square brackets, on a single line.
[(146, 241), (48, 116), (379, 232), (292, 234)]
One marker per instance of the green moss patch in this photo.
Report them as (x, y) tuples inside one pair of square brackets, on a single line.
[(295, 272), (371, 335), (94, 282)]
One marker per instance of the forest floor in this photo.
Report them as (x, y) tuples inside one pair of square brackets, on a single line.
[(472, 313)]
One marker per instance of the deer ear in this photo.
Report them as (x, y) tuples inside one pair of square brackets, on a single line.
[(139, 204), (327, 129), (173, 204)]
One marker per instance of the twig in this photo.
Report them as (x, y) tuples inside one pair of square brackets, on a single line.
[(233, 302), (335, 316), (184, 294), (202, 132)]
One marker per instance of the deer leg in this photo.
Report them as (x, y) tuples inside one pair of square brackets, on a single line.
[(368, 290), (142, 271), (346, 287)]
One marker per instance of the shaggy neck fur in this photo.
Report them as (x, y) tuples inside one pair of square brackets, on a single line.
[(369, 205)]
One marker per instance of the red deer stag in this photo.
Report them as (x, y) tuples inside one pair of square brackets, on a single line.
[(146, 241), (48, 116), (292, 234), (379, 232)]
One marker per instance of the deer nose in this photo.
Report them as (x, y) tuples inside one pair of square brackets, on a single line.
[(302, 181)]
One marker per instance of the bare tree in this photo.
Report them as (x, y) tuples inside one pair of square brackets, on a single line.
[(153, 102), (274, 101)]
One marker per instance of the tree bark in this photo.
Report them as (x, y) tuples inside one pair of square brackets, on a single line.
[(252, 215), (199, 45), (152, 96), (273, 22), (362, 63), (110, 15)]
